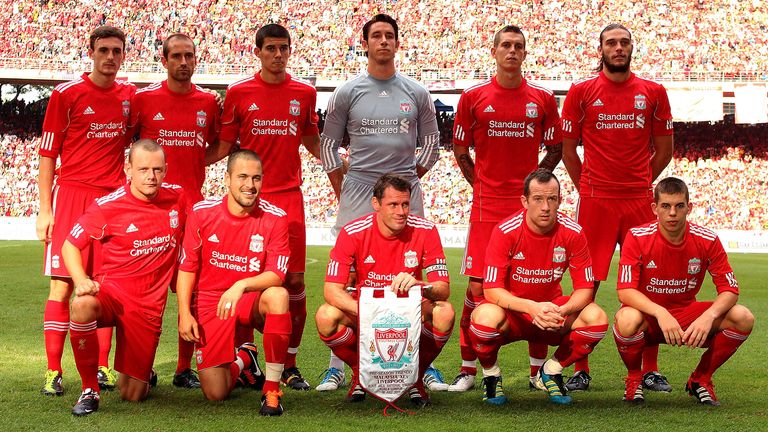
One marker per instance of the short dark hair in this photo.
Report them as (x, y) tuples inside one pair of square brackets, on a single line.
[(390, 180), (670, 186), (614, 26), (241, 154), (541, 175), (507, 29), (380, 18), (168, 40), (105, 32), (273, 31), (145, 144)]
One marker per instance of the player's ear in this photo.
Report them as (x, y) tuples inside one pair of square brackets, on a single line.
[(524, 201), (654, 208), (375, 204)]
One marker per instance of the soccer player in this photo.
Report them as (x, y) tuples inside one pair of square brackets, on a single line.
[(527, 255), (618, 117), (184, 119), (390, 248), (387, 116), (139, 227), (237, 250), (273, 113), (85, 127), (506, 119), (661, 269)]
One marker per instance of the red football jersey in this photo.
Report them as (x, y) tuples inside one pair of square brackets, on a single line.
[(671, 275), (139, 239), (531, 265), (85, 125), (270, 119), (222, 248), (183, 124), (615, 122), (378, 259), (506, 127)]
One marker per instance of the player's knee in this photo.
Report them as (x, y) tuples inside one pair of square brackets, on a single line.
[(593, 314), (275, 299), (628, 321), (327, 319), (215, 393), (84, 308), (443, 315), (742, 318), (134, 392), (294, 282), (488, 315)]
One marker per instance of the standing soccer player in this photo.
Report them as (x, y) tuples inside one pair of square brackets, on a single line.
[(387, 116), (506, 119), (662, 267), (84, 126), (390, 249), (236, 254), (139, 226), (273, 113), (184, 119), (625, 125)]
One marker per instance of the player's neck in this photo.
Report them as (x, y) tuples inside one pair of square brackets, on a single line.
[(383, 71), (101, 80), (272, 78), (179, 86), (236, 210), (674, 238), (510, 80), (617, 77)]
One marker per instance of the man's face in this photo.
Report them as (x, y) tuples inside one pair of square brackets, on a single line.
[(107, 56), (510, 52), (392, 210), (146, 170), (541, 205), (381, 44), (616, 50), (274, 54), (181, 59), (244, 182), (672, 212)]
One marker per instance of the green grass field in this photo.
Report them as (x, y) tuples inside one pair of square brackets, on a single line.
[(740, 383)]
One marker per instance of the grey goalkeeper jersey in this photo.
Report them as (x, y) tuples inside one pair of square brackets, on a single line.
[(385, 119)]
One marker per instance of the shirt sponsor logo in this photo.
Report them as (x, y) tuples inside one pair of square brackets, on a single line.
[(536, 276), (213, 238), (156, 244), (176, 138), (510, 129), (531, 110), (411, 259), (257, 243), (384, 126), (694, 266), (105, 130), (378, 280), (640, 102), (131, 228), (201, 119), (235, 262), (670, 286), (173, 217), (126, 108), (558, 255), (489, 109), (270, 127), (619, 121), (295, 108), (89, 111), (158, 117), (369, 260)]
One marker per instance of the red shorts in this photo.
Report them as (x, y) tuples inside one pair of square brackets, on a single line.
[(685, 316), (293, 204), (606, 222), (217, 336), (521, 327), (478, 236), (138, 328), (69, 203)]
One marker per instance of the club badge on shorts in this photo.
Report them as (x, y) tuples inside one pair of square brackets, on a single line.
[(257, 243), (411, 260), (173, 216)]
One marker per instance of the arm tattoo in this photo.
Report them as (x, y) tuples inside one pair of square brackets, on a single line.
[(552, 158), (467, 166)]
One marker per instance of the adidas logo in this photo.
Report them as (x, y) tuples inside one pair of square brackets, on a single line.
[(369, 260), (253, 107), (383, 94), (213, 238), (89, 110), (598, 103), (519, 256), (489, 109), (131, 228), (158, 116), (651, 265)]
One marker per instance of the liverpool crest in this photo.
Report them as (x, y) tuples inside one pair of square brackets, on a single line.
[(694, 266), (201, 118), (531, 110), (173, 216), (558, 255), (640, 102), (391, 347), (295, 108), (126, 108), (257, 243), (411, 260)]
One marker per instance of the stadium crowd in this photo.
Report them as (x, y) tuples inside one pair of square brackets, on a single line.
[(443, 39), (725, 165)]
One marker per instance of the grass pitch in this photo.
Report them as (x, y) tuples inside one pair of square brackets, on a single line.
[(740, 383)]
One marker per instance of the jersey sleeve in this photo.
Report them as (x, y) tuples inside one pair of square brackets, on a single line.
[(341, 258), (192, 244), (277, 252), (333, 129), (92, 225), (552, 132), (310, 128), (55, 125), (630, 263), (720, 269), (573, 113), (433, 260), (428, 132), (463, 121), (230, 121), (580, 263), (662, 115), (497, 259)]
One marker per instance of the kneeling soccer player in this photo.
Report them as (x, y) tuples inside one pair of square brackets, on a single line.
[(237, 247), (661, 270), (527, 255)]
